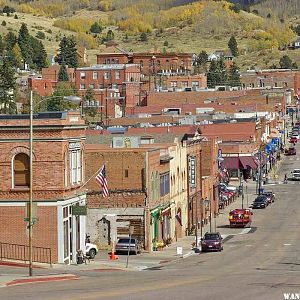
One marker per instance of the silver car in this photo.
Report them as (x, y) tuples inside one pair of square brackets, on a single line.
[(123, 246)]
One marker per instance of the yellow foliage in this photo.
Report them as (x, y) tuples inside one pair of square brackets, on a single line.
[(86, 40), (106, 5), (74, 24)]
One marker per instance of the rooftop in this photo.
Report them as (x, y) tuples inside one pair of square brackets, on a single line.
[(108, 67)]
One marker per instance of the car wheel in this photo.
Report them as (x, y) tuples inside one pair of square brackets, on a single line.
[(92, 253)]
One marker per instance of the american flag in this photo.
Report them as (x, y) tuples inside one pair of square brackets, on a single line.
[(101, 179)]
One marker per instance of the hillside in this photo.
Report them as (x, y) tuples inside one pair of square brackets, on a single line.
[(166, 25)]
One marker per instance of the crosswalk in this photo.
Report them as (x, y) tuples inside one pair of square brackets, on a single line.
[(294, 158)]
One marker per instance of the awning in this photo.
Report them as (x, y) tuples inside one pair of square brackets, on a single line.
[(231, 163), (248, 162)]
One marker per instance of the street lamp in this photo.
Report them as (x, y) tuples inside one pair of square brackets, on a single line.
[(74, 99)]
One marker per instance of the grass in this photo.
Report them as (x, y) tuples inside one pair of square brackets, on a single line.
[(179, 39)]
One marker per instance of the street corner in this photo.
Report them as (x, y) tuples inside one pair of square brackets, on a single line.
[(38, 279)]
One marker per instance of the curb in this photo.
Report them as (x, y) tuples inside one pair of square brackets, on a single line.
[(40, 279)]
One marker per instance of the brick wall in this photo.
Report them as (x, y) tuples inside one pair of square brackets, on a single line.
[(44, 231)]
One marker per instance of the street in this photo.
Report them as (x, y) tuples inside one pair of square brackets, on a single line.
[(262, 264)]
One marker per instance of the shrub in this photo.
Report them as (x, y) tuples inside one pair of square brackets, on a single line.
[(3, 23), (40, 35)]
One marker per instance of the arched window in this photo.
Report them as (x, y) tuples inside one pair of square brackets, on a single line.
[(21, 170)]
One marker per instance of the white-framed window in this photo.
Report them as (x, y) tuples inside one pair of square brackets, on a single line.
[(195, 83), (82, 86), (75, 163), (106, 75), (92, 86), (114, 86), (118, 75), (95, 75), (82, 75), (173, 83)]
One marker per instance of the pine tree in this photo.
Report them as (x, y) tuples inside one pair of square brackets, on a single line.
[(234, 75), (72, 56), (39, 58), (24, 42), (212, 74), (232, 45), (68, 52), (222, 75), (285, 62), (7, 88), (63, 73), (63, 49), (110, 35)]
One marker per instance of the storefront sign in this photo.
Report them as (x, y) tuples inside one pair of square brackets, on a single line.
[(193, 172), (79, 210)]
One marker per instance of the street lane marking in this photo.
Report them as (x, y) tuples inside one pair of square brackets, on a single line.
[(287, 244), (249, 245), (245, 231)]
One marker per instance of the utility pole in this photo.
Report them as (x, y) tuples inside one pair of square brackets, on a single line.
[(30, 223)]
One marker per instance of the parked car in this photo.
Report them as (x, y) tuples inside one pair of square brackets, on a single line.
[(296, 135), (260, 202), (270, 196), (230, 188), (291, 151), (293, 140), (296, 174), (212, 242), (122, 246)]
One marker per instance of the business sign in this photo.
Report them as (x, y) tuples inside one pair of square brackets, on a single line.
[(79, 210), (192, 172)]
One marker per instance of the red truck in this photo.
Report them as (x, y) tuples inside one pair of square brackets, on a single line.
[(240, 217)]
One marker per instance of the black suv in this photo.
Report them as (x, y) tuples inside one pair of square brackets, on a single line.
[(212, 242)]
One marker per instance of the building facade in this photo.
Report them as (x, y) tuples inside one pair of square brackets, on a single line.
[(58, 174)]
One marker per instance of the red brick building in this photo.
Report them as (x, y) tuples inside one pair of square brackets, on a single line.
[(115, 86), (150, 62), (58, 174), (139, 188), (45, 84)]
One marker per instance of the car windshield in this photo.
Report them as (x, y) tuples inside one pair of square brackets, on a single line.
[(126, 241), (211, 236), (260, 199)]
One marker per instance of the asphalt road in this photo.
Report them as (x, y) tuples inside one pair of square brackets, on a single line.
[(263, 264)]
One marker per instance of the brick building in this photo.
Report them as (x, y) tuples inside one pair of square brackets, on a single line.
[(184, 81), (150, 62), (45, 84), (115, 86), (273, 78), (58, 173), (139, 194)]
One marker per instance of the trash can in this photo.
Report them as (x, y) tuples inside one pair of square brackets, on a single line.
[(260, 191)]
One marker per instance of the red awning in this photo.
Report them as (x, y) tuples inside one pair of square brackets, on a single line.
[(248, 162), (231, 163)]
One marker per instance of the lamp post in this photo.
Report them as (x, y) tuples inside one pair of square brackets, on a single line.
[(31, 221)]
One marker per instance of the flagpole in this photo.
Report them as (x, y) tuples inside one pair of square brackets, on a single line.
[(93, 176)]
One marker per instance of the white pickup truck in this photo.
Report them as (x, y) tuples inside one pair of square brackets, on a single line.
[(296, 174)]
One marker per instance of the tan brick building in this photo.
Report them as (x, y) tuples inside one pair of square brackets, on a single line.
[(58, 173)]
